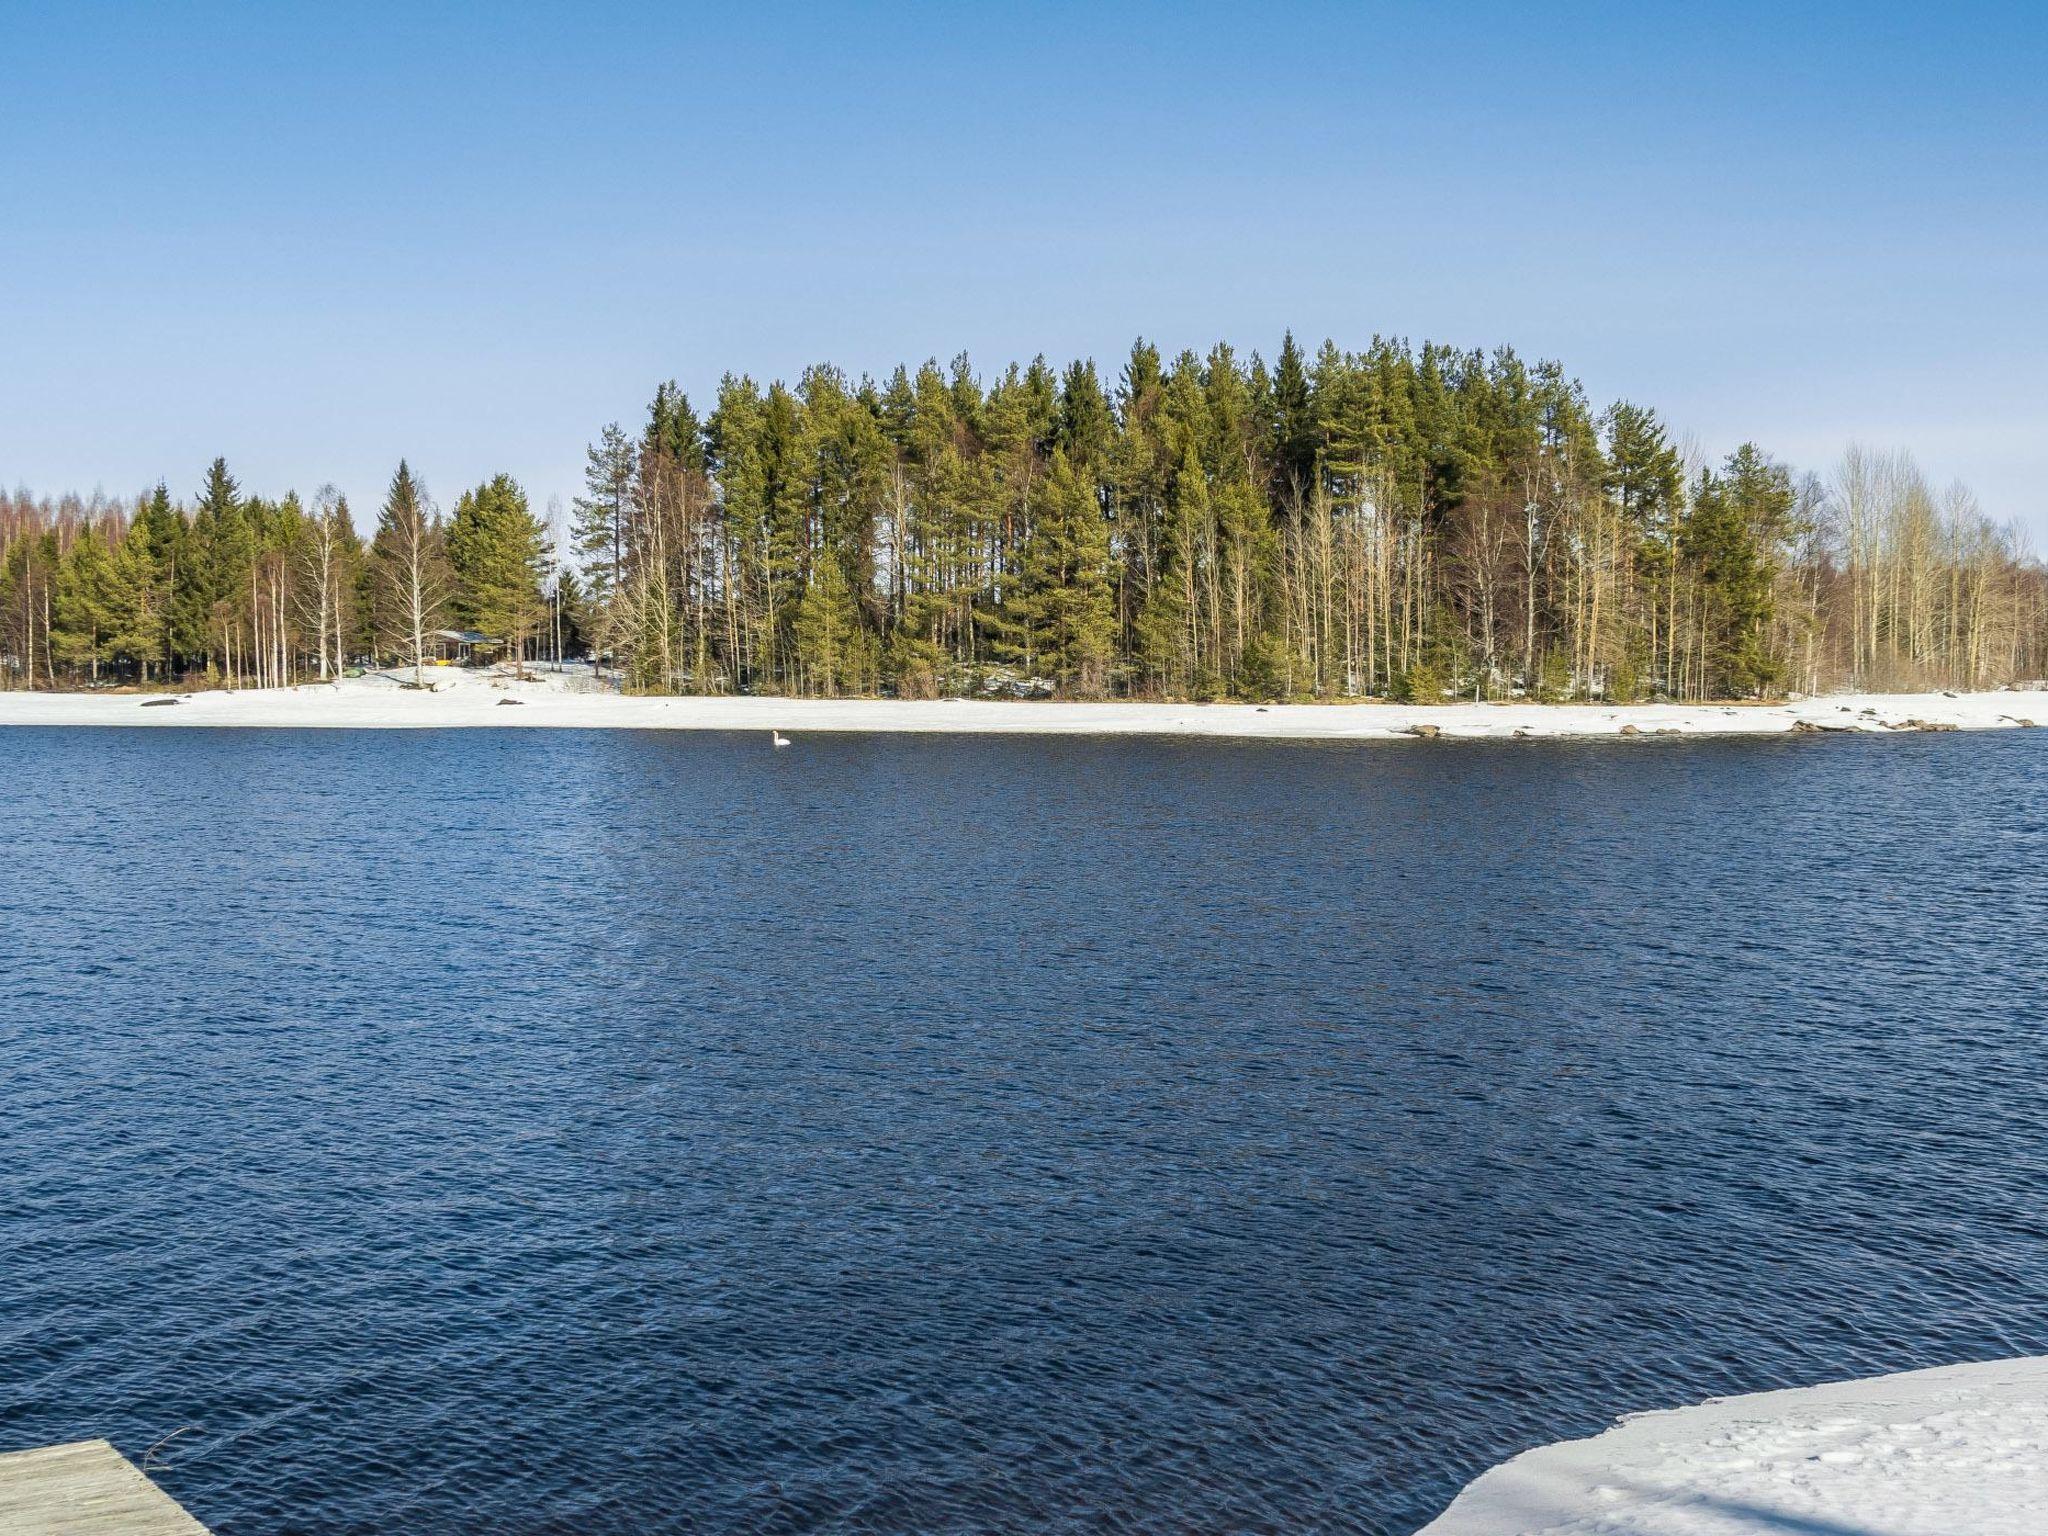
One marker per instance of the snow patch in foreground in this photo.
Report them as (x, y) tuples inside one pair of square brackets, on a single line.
[(1956, 1451)]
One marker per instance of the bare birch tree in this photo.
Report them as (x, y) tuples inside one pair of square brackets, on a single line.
[(412, 568)]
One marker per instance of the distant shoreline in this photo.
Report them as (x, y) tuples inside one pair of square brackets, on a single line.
[(475, 700)]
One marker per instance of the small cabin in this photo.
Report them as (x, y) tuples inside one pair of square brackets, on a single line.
[(462, 647)]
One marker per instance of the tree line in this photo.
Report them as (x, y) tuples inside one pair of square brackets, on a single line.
[(239, 591), (1404, 522)]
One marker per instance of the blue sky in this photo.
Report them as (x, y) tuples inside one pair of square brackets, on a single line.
[(316, 238)]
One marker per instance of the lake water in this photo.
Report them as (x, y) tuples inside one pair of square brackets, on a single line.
[(522, 1132)]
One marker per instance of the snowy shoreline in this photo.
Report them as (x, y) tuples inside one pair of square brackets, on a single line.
[(1954, 1451), (466, 699)]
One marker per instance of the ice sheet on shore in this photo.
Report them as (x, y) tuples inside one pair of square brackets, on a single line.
[(461, 698), (1956, 1451)]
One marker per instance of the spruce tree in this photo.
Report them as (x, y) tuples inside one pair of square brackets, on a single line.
[(1732, 537), (135, 619), (80, 615), (166, 548), (1294, 424), (103, 614), (497, 549), (206, 608), (826, 630), (1063, 624)]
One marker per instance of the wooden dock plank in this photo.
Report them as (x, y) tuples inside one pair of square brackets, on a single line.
[(85, 1489)]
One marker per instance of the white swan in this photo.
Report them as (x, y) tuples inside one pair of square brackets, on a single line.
[(778, 738)]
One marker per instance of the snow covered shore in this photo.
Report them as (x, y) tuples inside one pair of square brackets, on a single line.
[(1956, 1451), (466, 698)]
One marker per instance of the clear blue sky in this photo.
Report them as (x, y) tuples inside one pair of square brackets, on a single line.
[(314, 238)]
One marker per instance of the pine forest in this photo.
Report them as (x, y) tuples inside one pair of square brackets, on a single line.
[(1401, 522)]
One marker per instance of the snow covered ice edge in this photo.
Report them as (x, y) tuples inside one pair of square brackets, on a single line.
[(1952, 1451), (462, 699)]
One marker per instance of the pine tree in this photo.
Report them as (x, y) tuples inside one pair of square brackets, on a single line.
[(604, 515), (1646, 483)]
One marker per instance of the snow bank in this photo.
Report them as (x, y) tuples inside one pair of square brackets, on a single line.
[(462, 698), (1957, 1451)]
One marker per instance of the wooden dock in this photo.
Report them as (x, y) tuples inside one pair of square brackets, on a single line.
[(85, 1489)]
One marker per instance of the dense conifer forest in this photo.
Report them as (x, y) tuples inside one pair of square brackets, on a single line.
[(1415, 523)]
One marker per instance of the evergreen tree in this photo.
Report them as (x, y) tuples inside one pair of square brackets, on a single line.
[(208, 607), (82, 614), (603, 531), (1732, 537), (1644, 475), (1169, 628), (786, 448), (1294, 451), (1646, 483), (830, 654), (674, 434), (136, 606), (166, 547), (104, 613), (498, 552), (572, 611), (734, 437), (1066, 611)]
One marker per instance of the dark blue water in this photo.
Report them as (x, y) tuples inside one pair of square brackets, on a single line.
[(525, 1132)]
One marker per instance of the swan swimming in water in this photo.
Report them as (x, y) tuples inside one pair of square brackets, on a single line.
[(778, 738)]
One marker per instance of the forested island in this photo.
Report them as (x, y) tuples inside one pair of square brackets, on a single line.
[(1402, 522)]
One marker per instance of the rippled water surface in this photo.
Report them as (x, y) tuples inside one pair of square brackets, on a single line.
[(526, 1132)]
